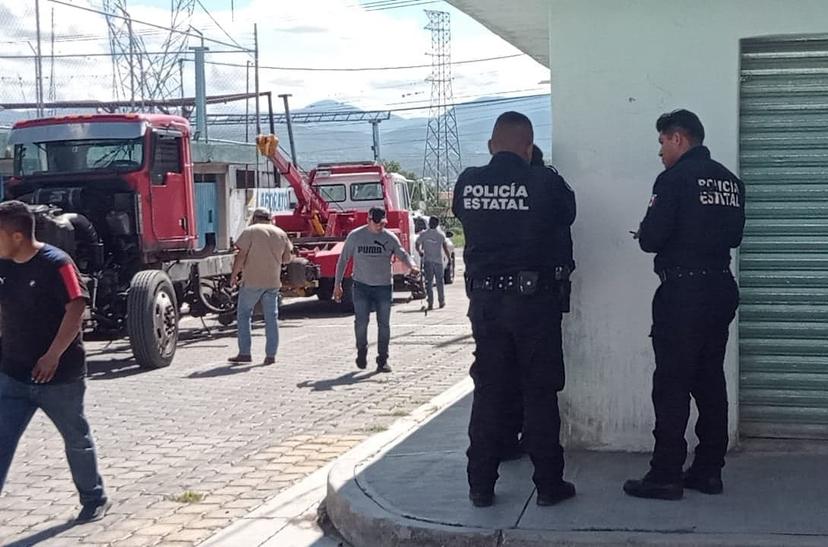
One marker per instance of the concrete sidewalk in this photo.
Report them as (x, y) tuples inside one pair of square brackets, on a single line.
[(292, 518), (414, 492)]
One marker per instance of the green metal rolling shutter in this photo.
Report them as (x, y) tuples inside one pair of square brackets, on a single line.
[(783, 263)]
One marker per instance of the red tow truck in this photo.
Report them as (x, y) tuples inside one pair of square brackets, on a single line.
[(332, 200)]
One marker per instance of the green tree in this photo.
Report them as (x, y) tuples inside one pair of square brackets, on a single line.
[(393, 166)]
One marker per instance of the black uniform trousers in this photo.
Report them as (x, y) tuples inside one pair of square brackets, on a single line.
[(691, 316), (518, 348)]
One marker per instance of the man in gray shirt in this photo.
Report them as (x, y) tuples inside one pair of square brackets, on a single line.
[(431, 245), (371, 248)]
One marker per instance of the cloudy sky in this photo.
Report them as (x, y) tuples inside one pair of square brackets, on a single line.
[(325, 34)]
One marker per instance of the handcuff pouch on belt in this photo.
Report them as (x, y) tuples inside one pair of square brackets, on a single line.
[(527, 282)]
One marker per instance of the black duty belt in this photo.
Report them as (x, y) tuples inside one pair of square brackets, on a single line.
[(682, 273), (521, 282)]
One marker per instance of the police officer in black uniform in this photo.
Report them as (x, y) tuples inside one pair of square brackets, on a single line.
[(512, 445), (516, 221), (696, 215)]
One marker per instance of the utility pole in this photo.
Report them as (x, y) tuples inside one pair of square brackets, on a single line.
[(200, 92), (258, 111), (256, 76), (376, 135), (131, 61), (39, 63), (247, 103), (52, 88), (284, 97)]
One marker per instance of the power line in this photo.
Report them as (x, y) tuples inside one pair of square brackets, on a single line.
[(366, 69), (382, 6), (210, 15), (106, 54)]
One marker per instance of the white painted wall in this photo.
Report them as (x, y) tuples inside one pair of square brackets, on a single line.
[(239, 203), (615, 66)]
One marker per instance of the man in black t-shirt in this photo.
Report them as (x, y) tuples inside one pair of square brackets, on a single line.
[(43, 362)]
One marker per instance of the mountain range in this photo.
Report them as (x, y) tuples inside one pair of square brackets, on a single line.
[(402, 139)]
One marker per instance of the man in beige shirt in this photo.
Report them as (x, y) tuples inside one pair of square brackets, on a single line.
[(263, 248)]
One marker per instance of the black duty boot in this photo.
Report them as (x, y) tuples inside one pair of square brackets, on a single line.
[(559, 493), (650, 488), (704, 483), (481, 498)]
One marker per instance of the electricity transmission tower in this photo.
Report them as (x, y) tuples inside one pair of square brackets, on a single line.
[(139, 75), (442, 162)]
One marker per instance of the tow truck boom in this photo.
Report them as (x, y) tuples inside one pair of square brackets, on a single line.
[(309, 204)]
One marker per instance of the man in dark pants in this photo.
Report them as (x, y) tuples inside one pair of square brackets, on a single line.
[(512, 445), (696, 215), (43, 362), (514, 309), (371, 248)]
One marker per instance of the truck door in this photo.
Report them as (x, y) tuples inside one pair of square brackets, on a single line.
[(168, 192)]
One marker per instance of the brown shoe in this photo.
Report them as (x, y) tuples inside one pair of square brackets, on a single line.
[(240, 359)]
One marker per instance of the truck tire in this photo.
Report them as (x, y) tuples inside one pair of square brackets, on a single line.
[(152, 319), (448, 274)]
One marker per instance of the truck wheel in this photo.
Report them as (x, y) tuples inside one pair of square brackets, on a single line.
[(325, 290), (448, 274), (152, 319)]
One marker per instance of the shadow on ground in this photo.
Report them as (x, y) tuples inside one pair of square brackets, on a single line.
[(347, 379)]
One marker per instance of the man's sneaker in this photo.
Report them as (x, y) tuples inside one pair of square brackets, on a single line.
[(430, 307), (481, 498), (383, 367), (563, 491), (92, 512), (269, 360), (240, 358), (361, 361), (705, 484), (647, 488), (442, 305)]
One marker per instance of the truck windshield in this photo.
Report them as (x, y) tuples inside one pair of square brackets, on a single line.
[(72, 156)]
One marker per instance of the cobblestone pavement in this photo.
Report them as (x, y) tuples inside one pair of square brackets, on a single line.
[(235, 434)]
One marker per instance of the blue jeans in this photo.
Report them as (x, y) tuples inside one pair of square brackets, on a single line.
[(248, 298), (367, 298), (63, 404), (432, 270)]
